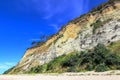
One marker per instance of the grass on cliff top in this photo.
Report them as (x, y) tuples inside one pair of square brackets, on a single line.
[(100, 59)]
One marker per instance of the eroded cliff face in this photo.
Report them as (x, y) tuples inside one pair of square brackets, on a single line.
[(102, 26)]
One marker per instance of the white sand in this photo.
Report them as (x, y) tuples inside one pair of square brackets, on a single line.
[(113, 77), (66, 76)]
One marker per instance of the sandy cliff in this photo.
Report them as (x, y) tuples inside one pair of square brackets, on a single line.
[(78, 35)]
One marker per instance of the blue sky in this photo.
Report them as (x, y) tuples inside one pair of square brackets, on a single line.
[(23, 21)]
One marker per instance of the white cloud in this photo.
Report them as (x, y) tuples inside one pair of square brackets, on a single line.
[(48, 16), (51, 8)]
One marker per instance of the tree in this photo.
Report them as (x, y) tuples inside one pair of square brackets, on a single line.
[(33, 43)]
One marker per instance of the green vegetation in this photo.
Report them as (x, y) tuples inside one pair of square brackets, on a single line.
[(115, 47), (99, 59), (104, 5), (98, 24), (113, 0), (101, 68), (76, 20), (94, 10), (42, 41), (60, 36)]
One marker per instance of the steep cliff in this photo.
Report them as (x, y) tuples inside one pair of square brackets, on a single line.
[(102, 25)]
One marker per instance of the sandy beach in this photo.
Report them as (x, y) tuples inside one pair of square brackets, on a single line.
[(113, 77), (110, 75)]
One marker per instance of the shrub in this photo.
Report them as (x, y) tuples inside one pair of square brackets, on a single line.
[(71, 69), (99, 59), (101, 68), (43, 68), (89, 67)]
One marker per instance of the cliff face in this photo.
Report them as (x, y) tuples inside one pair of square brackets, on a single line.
[(99, 26)]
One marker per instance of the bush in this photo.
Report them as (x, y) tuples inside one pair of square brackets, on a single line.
[(43, 68), (89, 67), (71, 69), (99, 59), (101, 68)]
